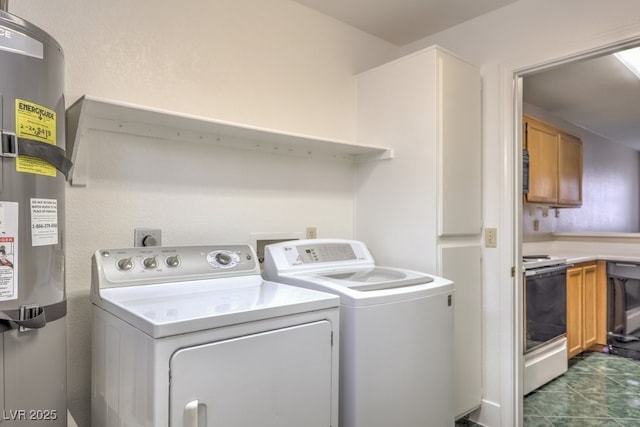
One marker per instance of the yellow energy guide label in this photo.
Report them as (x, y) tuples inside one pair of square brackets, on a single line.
[(37, 123)]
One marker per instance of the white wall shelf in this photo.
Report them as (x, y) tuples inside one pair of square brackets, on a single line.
[(90, 113)]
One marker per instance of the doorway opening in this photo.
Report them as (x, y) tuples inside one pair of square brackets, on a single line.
[(568, 93)]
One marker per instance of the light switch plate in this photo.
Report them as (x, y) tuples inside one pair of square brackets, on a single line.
[(491, 237)]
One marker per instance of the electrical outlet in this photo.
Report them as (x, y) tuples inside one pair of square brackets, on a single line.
[(491, 237), (312, 233), (147, 237)]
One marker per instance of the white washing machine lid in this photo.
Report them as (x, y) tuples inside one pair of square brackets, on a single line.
[(347, 268), (161, 310), (369, 286), (374, 279)]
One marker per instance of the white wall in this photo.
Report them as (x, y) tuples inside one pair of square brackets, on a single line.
[(279, 65), (610, 182), (517, 37), (272, 64)]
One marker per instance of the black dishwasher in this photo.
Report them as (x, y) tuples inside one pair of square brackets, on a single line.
[(623, 320)]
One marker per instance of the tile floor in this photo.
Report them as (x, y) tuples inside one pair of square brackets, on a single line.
[(598, 390)]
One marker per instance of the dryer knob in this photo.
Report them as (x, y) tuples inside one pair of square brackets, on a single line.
[(172, 261), (223, 258), (150, 262), (124, 264)]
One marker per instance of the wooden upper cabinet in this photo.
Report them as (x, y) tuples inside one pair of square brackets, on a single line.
[(555, 165), (541, 141), (569, 170)]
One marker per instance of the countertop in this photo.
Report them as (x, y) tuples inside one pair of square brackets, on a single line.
[(576, 259), (585, 247)]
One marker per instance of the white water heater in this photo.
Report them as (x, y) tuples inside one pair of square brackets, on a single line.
[(33, 166)]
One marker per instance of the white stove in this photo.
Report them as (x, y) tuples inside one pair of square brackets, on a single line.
[(195, 336), (530, 262), (545, 319)]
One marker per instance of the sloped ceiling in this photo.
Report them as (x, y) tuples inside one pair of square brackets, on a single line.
[(599, 94), (404, 21)]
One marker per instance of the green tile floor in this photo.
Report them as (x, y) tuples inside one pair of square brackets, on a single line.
[(598, 390)]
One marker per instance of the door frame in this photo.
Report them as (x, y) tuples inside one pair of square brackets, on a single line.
[(512, 81)]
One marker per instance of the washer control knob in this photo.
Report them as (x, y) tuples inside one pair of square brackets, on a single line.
[(124, 264), (172, 261), (150, 262)]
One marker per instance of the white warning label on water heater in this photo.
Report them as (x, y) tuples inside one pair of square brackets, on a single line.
[(44, 222), (8, 251)]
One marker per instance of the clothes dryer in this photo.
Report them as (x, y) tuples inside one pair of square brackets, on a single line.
[(396, 331), (193, 336)]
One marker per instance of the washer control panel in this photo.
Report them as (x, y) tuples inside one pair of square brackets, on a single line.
[(148, 265)]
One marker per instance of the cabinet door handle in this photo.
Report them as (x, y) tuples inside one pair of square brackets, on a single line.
[(195, 414)]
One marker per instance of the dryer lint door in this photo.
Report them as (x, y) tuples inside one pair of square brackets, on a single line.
[(280, 378)]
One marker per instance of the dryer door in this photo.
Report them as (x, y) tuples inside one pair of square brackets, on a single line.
[(280, 378)]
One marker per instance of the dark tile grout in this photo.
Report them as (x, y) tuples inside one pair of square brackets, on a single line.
[(599, 389)]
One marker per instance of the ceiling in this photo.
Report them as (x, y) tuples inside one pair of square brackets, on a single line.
[(404, 21), (599, 94)]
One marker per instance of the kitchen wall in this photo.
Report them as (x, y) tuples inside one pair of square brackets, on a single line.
[(610, 188), (515, 38), (272, 64)]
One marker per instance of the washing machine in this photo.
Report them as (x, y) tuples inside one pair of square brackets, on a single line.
[(193, 336), (396, 331)]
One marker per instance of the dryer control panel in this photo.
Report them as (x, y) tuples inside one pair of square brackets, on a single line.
[(136, 266)]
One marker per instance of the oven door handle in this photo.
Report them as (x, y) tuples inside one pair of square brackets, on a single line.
[(625, 264), (552, 269)]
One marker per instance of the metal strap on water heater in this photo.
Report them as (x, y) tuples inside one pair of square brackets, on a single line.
[(33, 317), (12, 146)]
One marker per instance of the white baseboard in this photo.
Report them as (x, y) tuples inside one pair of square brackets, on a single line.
[(487, 415)]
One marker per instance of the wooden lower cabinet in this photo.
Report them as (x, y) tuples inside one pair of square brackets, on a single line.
[(584, 319)]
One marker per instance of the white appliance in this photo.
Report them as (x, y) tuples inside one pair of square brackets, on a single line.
[(396, 331), (193, 336), (545, 320)]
